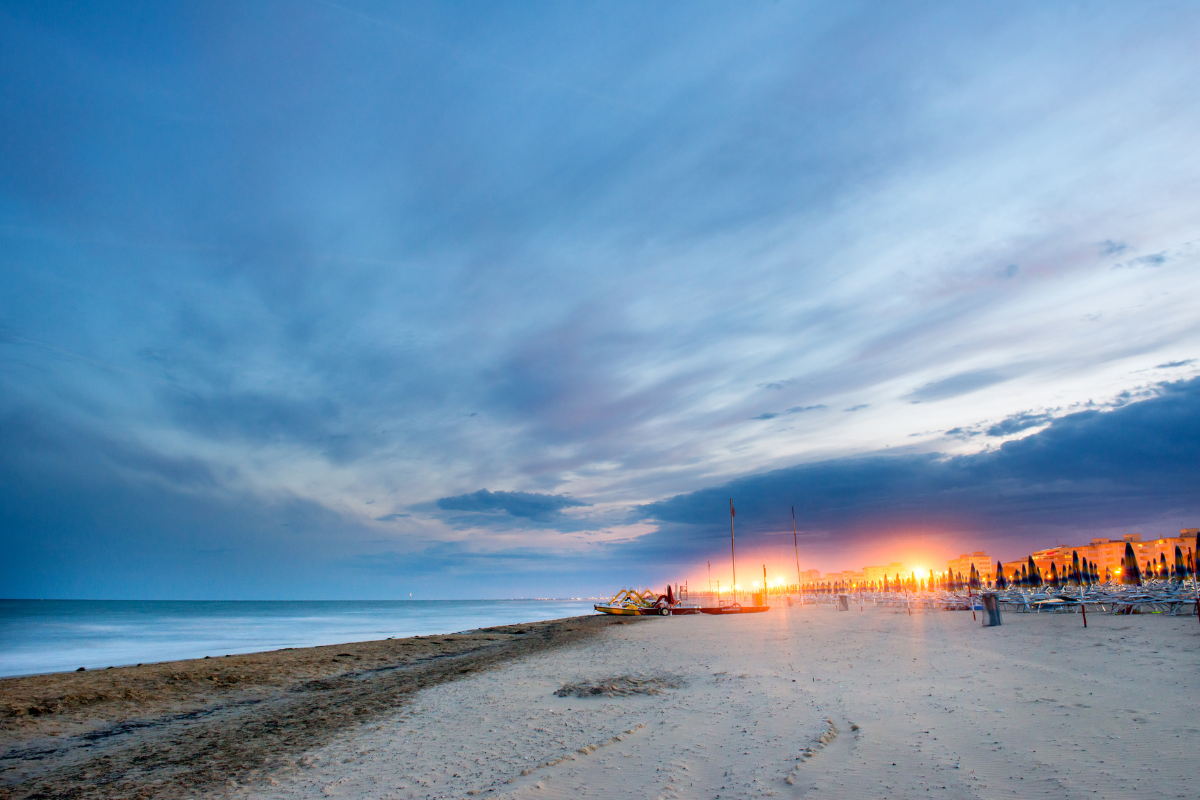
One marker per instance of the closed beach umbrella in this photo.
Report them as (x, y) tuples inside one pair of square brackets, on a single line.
[(1000, 582), (1130, 574), (1075, 575), (1163, 572), (1053, 576), (1180, 570), (1035, 578)]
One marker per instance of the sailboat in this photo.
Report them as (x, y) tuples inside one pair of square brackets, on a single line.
[(735, 607)]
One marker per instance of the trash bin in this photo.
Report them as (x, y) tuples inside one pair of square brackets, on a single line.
[(992, 606), (843, 602)]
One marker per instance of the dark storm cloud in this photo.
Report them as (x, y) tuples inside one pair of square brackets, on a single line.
[(956, 385), (1086, 470)]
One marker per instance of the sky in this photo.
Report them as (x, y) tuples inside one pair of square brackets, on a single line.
[(363, 299)]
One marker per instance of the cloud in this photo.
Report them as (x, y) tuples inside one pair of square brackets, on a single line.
[(792, 410), (1015, 423), (963, 383), (1088, 470), (495, 279), (526, 505), (858, 407), (1173, 364)]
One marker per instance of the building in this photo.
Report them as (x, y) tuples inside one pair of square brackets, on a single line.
[(1109, 554), (983, 565), (877, 574)]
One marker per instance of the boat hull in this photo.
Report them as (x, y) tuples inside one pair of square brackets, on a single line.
[(735, 610), (618, 610)]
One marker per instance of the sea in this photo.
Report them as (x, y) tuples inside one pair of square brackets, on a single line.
[(41, 636)]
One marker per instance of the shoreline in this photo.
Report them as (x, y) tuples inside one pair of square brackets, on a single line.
[(186, 727), (50, 636)]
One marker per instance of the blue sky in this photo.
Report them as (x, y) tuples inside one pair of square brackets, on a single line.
[(349, 299)]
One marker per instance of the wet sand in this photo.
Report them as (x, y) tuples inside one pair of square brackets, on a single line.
[(188, 728), (791, 703)]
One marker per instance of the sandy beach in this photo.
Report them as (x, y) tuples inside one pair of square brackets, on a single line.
[(791, 703)]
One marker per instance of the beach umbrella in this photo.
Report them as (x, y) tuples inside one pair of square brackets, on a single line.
[(1163, 571), (975, 582), (1000, 582), (1076, 577), (1130, 574), (1053, 576), (1180, 570), (1149, 573), (1035, 577)]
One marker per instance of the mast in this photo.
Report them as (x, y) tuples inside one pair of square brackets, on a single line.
[(796, 541), (732, 548)]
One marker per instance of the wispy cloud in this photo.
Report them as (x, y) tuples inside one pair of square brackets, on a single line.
[(539, 507), (956, 385)]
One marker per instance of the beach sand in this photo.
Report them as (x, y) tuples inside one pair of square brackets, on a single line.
[(795, 702), (803, 703), (188, 728)]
